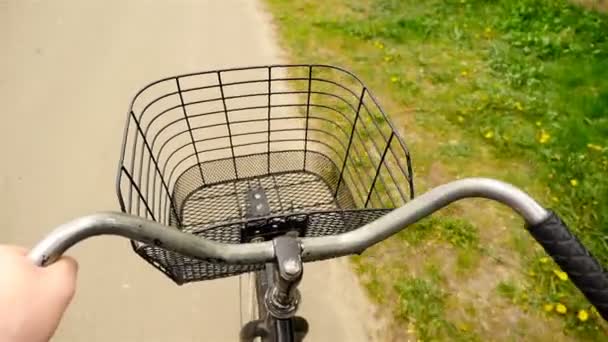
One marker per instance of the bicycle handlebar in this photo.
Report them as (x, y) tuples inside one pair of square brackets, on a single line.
[(149, 232), (586, 273), (358, 240)]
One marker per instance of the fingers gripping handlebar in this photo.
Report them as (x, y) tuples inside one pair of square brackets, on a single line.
[(586, 273)]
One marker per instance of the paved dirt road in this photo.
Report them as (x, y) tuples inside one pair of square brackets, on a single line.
[(68, 70)]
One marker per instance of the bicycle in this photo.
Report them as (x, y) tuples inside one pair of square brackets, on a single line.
[(261, 169)]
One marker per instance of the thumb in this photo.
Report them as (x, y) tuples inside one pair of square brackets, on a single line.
[(60, 280)]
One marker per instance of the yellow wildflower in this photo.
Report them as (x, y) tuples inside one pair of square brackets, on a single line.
[(561, 275), (574, 182), (582, 315), (379, 45), (561, 308), (544, 260), (595, 147), (544, 137), (388, 58), (538, 123), (518, 106), (460, 118), (488, 29), (394, 79), (548, 307), (464, 73), (555, 199), (488, 135)]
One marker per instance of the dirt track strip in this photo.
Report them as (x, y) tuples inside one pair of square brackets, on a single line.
[(69, 69)]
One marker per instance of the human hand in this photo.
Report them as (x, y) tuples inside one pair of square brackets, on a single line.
[(33, 299)]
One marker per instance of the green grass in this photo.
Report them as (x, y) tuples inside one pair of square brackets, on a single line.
[(457, 232), (516, 90), (423, 304), (507, 290)]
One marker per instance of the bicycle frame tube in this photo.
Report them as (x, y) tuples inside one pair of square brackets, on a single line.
[(317, 248), (281, 330), (284, 330), (267, 327)]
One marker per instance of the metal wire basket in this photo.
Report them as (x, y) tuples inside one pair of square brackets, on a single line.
[(311, 136)]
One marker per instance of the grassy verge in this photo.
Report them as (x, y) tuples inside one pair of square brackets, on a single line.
[(516, 90)]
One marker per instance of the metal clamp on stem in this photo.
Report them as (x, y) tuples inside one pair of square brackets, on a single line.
[(283, 297)]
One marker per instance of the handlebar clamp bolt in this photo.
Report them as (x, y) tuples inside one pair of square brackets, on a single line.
[(292, 267)]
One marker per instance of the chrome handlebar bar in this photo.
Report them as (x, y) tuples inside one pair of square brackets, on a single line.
[(545, 226), (313, 248)]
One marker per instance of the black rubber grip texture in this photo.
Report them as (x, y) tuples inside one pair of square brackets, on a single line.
[(574, 259)]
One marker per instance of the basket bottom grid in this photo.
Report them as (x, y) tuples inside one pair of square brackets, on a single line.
[(287, 193)]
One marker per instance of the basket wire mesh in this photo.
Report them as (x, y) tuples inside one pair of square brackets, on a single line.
[(311, 136)]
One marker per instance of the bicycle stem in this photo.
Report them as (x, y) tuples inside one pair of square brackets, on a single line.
[(283, 297)]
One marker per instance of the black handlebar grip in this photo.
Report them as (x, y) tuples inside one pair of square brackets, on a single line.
[(574, 259)]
